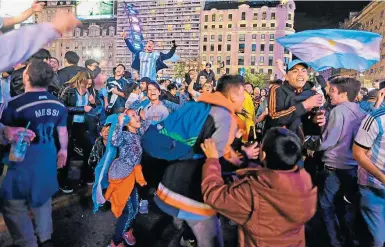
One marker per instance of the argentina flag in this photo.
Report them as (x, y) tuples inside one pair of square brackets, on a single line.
[(336, 48)]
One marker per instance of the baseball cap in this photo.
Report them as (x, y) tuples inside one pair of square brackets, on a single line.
[(208, 65), (90, 61), (294, 63)]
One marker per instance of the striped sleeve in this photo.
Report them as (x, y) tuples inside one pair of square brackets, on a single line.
[(279, 112), (367, 133)]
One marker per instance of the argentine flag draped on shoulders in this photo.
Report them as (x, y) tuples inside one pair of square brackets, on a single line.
[(336, 48)]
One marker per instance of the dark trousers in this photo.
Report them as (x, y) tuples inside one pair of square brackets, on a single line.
[(338, 192), (82, 138), (127, 218)]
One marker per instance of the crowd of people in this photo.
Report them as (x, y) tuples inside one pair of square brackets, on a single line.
[(268, 159)]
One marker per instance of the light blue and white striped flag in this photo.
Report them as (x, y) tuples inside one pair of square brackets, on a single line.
[(336, 48)]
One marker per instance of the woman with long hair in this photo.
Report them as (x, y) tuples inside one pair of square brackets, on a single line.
[(79, 98)]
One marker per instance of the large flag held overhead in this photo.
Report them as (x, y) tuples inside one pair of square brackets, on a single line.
[(336, 48)]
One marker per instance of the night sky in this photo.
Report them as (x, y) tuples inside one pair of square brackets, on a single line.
[(324, 14)]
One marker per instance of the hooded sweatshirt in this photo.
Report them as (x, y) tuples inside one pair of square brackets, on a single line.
[(338, 136), (270, 207)]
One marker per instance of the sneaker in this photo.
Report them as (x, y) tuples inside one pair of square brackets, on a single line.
[(129, 238), (67, 189), (113, 245), (143, 207), (188, 242)]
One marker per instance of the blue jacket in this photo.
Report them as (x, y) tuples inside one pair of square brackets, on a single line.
[(159, 63)]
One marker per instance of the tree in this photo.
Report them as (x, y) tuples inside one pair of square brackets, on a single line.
[(256, 79), (179, 69)]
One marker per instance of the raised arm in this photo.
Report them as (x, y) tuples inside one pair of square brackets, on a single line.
[(169, 54), (10, 21), (19, 45)]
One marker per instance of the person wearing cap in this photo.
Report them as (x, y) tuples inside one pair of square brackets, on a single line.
[(71, 68), (91, 65), (270, 204), (209, 73), (374, 99), (291, 103)]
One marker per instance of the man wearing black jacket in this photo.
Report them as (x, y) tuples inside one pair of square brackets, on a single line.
[(71, 68), (290, 105)]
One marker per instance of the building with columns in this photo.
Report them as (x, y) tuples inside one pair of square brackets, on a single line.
[(371, 19), (163, 21), (242, 34), (94, 39)]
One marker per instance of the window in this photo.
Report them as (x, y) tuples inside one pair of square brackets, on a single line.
[(220, 26), (219, 47), (255, 16), (272, 24), (204, 47), (205, 38), (289, 17), (263, 24), (241, 48), (211, 59), (230, 17), (219, 59), (271, 36), (228, 60), (242, 37), (204, 59), (212, 37), (270, 61), (241, 60), (261, 60), (220, 18), (264, 16), (227, 70), (242, 25), (289, 25), (262, 37), (229, 37), (213, 17), (261, 71), (253, 61), (262, 48), (218, 71), (253, 47), (270, 71), (205, 27), (271, 48), (212, 26), (211, 47), (228, 47), (273, 16), (206, 18), (255, 25), (229, 26), (254, 36), (220, 38), (286, 51), (243, 16)]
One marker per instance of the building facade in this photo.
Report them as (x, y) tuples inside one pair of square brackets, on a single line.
[(94, 39), (371, 19), (243, 34), (163, 21)]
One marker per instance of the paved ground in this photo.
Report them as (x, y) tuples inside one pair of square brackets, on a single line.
[(77, 226)]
